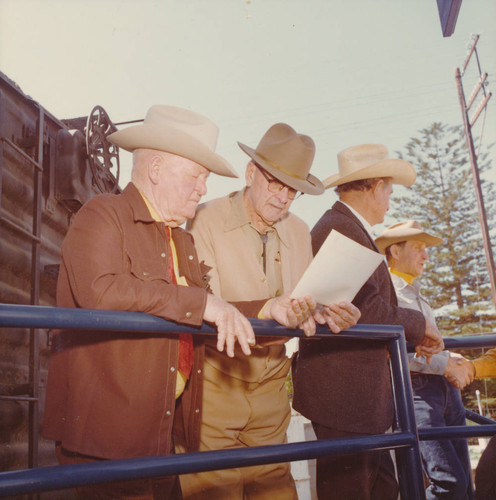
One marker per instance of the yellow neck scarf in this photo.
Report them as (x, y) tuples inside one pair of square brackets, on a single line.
[(406, 276)]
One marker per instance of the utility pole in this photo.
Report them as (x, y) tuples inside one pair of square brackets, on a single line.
[(468, 123)]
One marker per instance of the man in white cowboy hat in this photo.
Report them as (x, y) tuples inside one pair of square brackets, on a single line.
[(257, 249), (344, 387), (437, 402), (113, 395)]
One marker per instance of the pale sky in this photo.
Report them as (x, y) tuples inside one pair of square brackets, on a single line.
[(344, 72)]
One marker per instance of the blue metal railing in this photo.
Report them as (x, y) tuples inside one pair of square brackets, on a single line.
[(404, 440)]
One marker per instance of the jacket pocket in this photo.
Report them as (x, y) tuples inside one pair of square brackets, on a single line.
[(148, 269)]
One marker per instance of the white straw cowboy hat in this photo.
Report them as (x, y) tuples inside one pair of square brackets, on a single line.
[(368, 161), (287, 156), (405, 231), (178, 131)]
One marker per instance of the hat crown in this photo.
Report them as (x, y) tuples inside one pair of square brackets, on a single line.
[(178, 131), (405, 231), (183, 120), (287, 151), (359, 157), (369, 161), (409, 224), (287, 156)]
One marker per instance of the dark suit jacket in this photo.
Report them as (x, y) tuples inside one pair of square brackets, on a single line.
[(343, 384)]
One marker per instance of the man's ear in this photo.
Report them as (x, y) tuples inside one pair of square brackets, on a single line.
[(154, 168), (394, 251), (250, 173), (379, 184)]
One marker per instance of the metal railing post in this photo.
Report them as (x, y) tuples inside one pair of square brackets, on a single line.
[(404, 440), (408, 460)]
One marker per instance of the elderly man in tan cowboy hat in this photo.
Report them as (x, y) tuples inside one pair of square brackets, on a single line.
[(344, 388), (257, 249), (437, 402), (114, 395)]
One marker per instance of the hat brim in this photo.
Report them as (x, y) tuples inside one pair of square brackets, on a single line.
[(310, 185), (383, 242), (401, 172), (171, 140)]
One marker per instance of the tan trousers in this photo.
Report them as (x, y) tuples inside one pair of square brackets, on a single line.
[(240, 414)]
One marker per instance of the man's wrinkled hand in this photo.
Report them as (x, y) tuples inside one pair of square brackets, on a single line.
[(231, 326), (292, 313), (459, 371), (337, 317), (431, 344)]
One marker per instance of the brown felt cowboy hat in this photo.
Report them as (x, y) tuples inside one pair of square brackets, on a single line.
[(368, 161), (178, 131), (287, 156), (405, 231)]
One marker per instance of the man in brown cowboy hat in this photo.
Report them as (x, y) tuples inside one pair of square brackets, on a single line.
[(256, 249), (344, 388), (437, 402), (113, 395)]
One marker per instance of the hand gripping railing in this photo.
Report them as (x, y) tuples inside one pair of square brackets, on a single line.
[(404, 440)]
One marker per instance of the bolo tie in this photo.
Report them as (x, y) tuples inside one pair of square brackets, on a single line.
[(264, 237)]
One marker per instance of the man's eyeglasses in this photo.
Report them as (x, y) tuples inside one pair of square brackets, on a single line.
[(275, 186)]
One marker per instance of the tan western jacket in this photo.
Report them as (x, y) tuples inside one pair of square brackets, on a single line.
[(237, 275)]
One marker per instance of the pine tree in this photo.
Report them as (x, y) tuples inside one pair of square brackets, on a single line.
[(455, 280)]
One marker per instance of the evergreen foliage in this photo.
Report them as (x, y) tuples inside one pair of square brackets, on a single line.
[(455, 280), (443, 200)]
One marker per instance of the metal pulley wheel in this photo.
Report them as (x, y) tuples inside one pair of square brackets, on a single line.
[(102, 155)]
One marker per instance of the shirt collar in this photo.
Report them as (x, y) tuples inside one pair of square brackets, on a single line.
[(364, 222), (238, 216), (138, 205), (155, 216)]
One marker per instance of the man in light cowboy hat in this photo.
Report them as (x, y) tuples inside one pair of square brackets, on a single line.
[(344, 387), (256, 249), (437, 402), (114, 395)]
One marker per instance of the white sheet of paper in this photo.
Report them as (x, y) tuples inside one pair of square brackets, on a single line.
[(338, 271)]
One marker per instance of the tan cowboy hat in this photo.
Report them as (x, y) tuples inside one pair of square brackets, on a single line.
[(287, 156), (405, 231), (368, 161), (178, 131)]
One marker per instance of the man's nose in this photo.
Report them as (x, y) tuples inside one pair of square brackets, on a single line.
[(201, 187), (283, 194)]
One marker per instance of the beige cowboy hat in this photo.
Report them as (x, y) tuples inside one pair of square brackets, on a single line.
[(178, 131), (368, 161), (405, 231), (287, 156)]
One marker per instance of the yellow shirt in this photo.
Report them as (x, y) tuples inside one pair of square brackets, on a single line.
[(180, 280)]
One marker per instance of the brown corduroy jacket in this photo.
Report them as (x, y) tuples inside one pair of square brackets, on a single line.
[(112, 394)]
